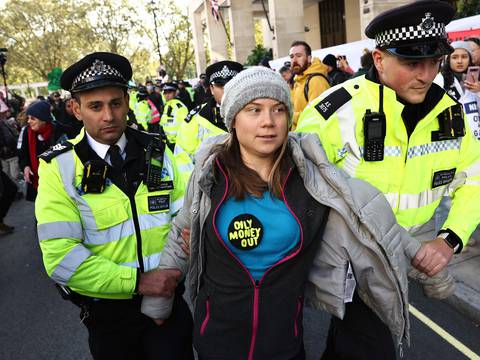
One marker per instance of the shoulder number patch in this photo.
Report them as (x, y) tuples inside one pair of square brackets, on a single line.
[(333, 102), (56, 150)]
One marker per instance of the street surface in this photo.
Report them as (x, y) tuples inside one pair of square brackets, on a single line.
[(36, 324)]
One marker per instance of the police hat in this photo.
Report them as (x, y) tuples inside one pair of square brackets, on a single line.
[(97, 70), (413, 31), (170, 86), (222, 72)]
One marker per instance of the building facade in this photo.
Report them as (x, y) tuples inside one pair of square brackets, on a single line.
[(321, 23)]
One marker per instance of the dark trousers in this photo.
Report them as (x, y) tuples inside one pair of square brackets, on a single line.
[(118, 330), (8, 191), (361, 335)]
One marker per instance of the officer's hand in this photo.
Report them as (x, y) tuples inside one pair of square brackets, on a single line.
[(159, 282), (28, 175), (433, 256), (159, 322), (185, 233)]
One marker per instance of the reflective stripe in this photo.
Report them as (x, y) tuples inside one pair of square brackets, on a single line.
[(350, 164), (127, 228), (69, 264), (473, 170), (392, 199), (149, 262), (60, 229), (347, 129), (66, 166), (150, 221), (186, 167), (434, 147), (175, 206), (112, 233), (168, 165), (415, 201), (394, 151), (178, 150)]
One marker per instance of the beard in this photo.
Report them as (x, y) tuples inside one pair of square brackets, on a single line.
[(299, 68)]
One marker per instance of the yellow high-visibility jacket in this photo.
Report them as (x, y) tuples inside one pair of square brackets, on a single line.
[(96, 243), (201, 123), (416, 171), (174, 113)]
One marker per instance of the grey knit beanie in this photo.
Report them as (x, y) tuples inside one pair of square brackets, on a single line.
[(254, 83)]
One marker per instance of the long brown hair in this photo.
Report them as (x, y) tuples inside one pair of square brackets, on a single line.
[(244, 180)]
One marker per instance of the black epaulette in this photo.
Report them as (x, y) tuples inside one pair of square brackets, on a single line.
[(56, 150), (179, 105), (333, 102), (192, 113)]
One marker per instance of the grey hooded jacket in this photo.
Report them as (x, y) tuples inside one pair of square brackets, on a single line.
[(361, 231)]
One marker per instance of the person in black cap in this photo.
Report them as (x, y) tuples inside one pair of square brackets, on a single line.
[(402, 133), (184, 96), (154, 96), (205, 120), (174, 112), (201, 90), (104, 208)]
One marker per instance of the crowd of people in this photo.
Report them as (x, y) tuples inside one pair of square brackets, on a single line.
[(256, 190)]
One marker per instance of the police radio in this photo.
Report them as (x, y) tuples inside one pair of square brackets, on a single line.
[(154, 165), (374, 131)]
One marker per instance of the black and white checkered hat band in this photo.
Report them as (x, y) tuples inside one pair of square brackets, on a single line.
[(393, 36), (225, 73), (97, 70)]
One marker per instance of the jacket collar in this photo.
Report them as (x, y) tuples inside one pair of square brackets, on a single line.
[(211, 112)]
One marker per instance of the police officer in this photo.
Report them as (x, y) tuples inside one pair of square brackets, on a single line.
[(174, 112), (104, 209), (146, 112), (205, 120), (397, 130)]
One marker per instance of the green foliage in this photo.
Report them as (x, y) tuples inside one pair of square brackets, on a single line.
[(43, 35), (257, 54), (40, 36), (467, 8), (176, 32), (54, 79)]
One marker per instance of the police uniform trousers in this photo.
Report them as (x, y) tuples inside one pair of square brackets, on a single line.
[(361, 335), (118, 330)]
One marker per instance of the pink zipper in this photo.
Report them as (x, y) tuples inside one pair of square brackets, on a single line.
[(256, 285), (299, 307), (207, 317)]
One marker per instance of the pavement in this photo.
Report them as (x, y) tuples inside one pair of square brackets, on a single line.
[(465, 268)]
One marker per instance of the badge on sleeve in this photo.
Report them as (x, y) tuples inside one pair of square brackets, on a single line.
[(245, 232)]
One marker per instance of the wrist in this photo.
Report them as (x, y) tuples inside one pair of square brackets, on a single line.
[(451, 239)]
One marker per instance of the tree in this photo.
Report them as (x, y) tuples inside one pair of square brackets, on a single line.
[(43, 35), (258, 54), (467, 8), (177, 34), (115, 23)]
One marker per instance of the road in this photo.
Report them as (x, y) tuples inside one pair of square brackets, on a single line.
[(36, 324)]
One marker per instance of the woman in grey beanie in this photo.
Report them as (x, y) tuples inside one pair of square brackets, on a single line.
[(258, 204)]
